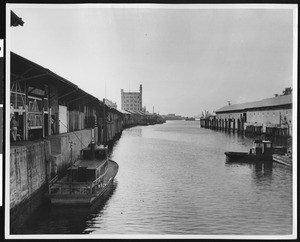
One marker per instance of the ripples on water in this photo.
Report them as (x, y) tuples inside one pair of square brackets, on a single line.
[(174, 179)]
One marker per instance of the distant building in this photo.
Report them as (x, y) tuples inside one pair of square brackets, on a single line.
[(266, 114), (110, 104), (132, 101), (144, 110), (172, 116)]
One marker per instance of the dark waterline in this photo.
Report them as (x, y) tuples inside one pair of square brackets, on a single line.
[(174, 179)]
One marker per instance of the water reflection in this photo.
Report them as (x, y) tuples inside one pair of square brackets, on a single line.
[(261, 170), (174, 179), (67, 219), (247, 139), (100, 203), (135, 132)]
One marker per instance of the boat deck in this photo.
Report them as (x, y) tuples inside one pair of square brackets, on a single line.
[(65, 187), (283, 159), (90, 164)]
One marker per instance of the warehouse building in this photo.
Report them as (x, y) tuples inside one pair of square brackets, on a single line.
[(51, 120), (271, 116)]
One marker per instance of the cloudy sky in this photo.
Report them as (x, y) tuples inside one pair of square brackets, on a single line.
[(188, 59)]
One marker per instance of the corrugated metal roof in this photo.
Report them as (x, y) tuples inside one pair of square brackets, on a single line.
[(39, 75), (269, 102), (20, 64), (122, 111), (135, 112), (141, 113), (131, 112)]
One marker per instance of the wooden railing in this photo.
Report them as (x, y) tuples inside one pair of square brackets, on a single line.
[(60, 187), (52, 181), (70, 188), (98, 181)]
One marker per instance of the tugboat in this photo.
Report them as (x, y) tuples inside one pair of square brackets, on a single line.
[(262, 150), (86, 180)]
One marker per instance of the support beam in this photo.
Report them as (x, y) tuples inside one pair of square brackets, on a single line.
[(91, 100), (77, 98), (33, 77), (15, 75), (68, 94), (32, 90), (28, 70)]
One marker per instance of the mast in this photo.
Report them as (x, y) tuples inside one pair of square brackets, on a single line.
[(104, 123), (71, 147)]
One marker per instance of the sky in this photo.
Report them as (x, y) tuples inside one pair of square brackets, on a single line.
[(187, 59)]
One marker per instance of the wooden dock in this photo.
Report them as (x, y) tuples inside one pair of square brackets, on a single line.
[(283, 159)]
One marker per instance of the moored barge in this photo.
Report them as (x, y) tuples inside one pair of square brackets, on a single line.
[(86, 180)]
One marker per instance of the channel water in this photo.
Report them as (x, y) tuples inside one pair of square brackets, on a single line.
[(174, 179)]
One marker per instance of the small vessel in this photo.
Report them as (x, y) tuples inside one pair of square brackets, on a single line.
[(283, 159), (86, 180), (262, 150)]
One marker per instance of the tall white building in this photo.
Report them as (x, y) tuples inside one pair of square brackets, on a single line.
[(132, 101)]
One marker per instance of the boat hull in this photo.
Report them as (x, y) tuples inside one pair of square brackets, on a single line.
[(244, 156), (86, 199), (236, 155), (283, 159), (78, 199)]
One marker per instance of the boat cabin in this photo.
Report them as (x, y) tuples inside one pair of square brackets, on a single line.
[(92, 165), (262, 147), (93, 151)]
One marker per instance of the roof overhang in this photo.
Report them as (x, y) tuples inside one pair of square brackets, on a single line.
[(24, 70), (35, 75)]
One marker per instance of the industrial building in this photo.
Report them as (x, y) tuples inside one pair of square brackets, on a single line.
[(132, 101), (52, 119), (272, 116)]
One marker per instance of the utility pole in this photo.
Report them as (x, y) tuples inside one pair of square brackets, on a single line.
[(71, 147), (104, 123)]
